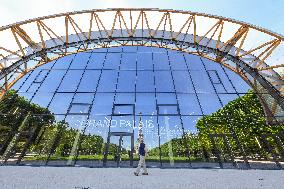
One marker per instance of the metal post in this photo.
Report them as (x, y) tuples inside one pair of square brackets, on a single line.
[(229, 149), (106, 150), (215, 150)]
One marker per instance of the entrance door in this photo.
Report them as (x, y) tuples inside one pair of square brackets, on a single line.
[(119, 150)]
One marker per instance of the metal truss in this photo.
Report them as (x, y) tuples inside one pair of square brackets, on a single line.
[(244, 48)]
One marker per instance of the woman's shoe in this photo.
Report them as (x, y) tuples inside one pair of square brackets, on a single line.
[(145, 174), (136, 174)]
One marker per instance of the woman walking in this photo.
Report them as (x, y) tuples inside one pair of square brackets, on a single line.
[(142, 154)]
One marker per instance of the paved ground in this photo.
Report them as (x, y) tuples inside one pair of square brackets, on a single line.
[(24, 177)]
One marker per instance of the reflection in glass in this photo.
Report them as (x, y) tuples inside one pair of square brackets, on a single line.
[(92, 94)]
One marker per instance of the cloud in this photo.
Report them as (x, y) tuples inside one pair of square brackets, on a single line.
[(15, 11)]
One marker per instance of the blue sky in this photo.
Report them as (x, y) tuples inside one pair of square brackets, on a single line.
[(264, 13)]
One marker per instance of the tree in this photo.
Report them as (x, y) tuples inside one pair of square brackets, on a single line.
[(243, 116), (16, 111)]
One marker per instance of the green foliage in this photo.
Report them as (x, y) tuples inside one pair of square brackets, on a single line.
[(16, 111), (19, 115), (243, 116)]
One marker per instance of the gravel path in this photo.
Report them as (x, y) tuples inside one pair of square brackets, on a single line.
[(23, 177)]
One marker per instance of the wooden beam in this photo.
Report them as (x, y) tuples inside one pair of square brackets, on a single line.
[(66, 34), (147, 24), (124, 23), (26, 38), (99, 20), (268, 53), (194, 28), (48, 30), (18, 42), (220, 35), (9, 51), (242, 43), (217, 24), (257, 48), (227, 46), (271, 67), (113, 25), (160, 22), (40, 34), (74, 24), (136, 24), (91, 25), (189, 20)]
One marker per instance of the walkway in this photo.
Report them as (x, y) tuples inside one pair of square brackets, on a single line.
[(24, 177)]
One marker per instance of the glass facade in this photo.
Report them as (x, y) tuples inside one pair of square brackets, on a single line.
[(102, 97)]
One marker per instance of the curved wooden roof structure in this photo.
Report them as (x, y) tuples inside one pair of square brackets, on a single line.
[(256, 54)]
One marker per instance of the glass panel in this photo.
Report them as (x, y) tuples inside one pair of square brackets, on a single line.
[(210, 65), (124, 98), (241, 87), (112, 61), (91, 148), (126, 81), (151, 139), (183, 82), (214, 76), (42, 99), (144, 61), (64, 62), (108, 81), (69, 143), (201, 82), (160, 60), (80, 61), (146, 104), (189, 123), (60, 103), (25, 86), (193, 62), (177, 60), (40, 77), (77, 108), (103, 104), (227, 81), (98, 125), (189, 104), (122, 124), (164, 82), (123, 109), (52, 81), (83, 98), (226, 98), (128, 61), (96, 60), (89, 81), (145, 81), (166, 98), (33, 87), (129, 48), (167, 109), (173, 151), (219, 88), (209, 103), (70, 81), (21, 81)]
